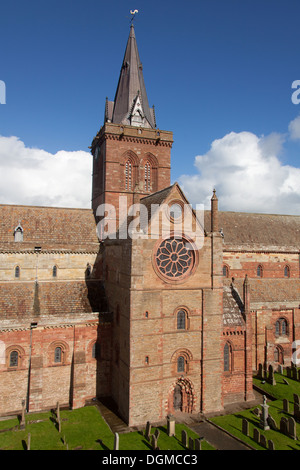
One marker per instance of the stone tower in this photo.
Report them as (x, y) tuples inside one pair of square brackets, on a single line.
[(131, 156)]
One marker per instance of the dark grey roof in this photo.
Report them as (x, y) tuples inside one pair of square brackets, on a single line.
[(131, 87)]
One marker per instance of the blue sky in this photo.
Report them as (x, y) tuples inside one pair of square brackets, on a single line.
[(212, 68)]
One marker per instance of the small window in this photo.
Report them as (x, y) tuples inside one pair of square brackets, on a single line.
[(227, 357), (181, 320), (18, 235), (14, 359), (17, 272), (96, 351), (286, 271), (57, 355), (259, 271), (180, 364), (225, 271), (54, 271)]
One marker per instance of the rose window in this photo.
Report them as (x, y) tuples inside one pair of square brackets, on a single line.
[(174, 258)]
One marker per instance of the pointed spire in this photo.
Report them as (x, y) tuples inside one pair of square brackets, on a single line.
[(131, 105)]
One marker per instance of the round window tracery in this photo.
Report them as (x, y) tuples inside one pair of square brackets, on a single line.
[(174, 258)]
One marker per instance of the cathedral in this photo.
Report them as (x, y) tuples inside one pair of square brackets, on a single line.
[(142, 299)]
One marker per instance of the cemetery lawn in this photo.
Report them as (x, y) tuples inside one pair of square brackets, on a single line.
[(233, 423), (82, 429)]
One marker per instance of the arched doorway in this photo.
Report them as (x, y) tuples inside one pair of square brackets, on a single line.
[(177, 398), (181, 397)]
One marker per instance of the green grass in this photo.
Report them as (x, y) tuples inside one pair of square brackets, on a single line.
[(233, 423), (82, 429)]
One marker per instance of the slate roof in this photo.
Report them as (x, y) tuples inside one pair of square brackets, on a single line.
[(261, 232), (51, 228), (276, 291), (33, 300)]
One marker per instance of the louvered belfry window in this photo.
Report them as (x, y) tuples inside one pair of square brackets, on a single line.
[(128, 175), (147, 177)]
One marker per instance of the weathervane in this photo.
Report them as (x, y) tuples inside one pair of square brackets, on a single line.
[(133, 13)]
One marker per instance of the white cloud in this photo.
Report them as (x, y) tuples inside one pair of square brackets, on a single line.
[(32, 176), (294, 129), (247, 174)]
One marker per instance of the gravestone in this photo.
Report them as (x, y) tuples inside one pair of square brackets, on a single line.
[(285, 403), (260, 371), (23, 422), (256, 435), (280, 369), (184, 438), (116, 441), (263, 441), (256, 412), (191, 443), (297, 411), (154, 442), (284, 425), (245, 427), (271, 445), (289, 372), (198, 444), (271, 378), (299, 375), (156, 435), (296, 398), (171, 425), (292, 428), (285, 382), (272, 423), (294, 372), (148, 431)]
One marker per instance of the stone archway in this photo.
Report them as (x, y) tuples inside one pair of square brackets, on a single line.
[(181, 397)]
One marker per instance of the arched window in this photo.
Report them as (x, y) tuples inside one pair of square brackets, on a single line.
[(180, 364), (128, 175), (181, 320), (14, 359), (281, 327), (54, 271), (286, 271), (259, 271), (147, 180), (17, 272), (225, 271), (57, 355), (227, 357)]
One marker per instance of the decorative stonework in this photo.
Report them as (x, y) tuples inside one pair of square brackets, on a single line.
[(174, 259)]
